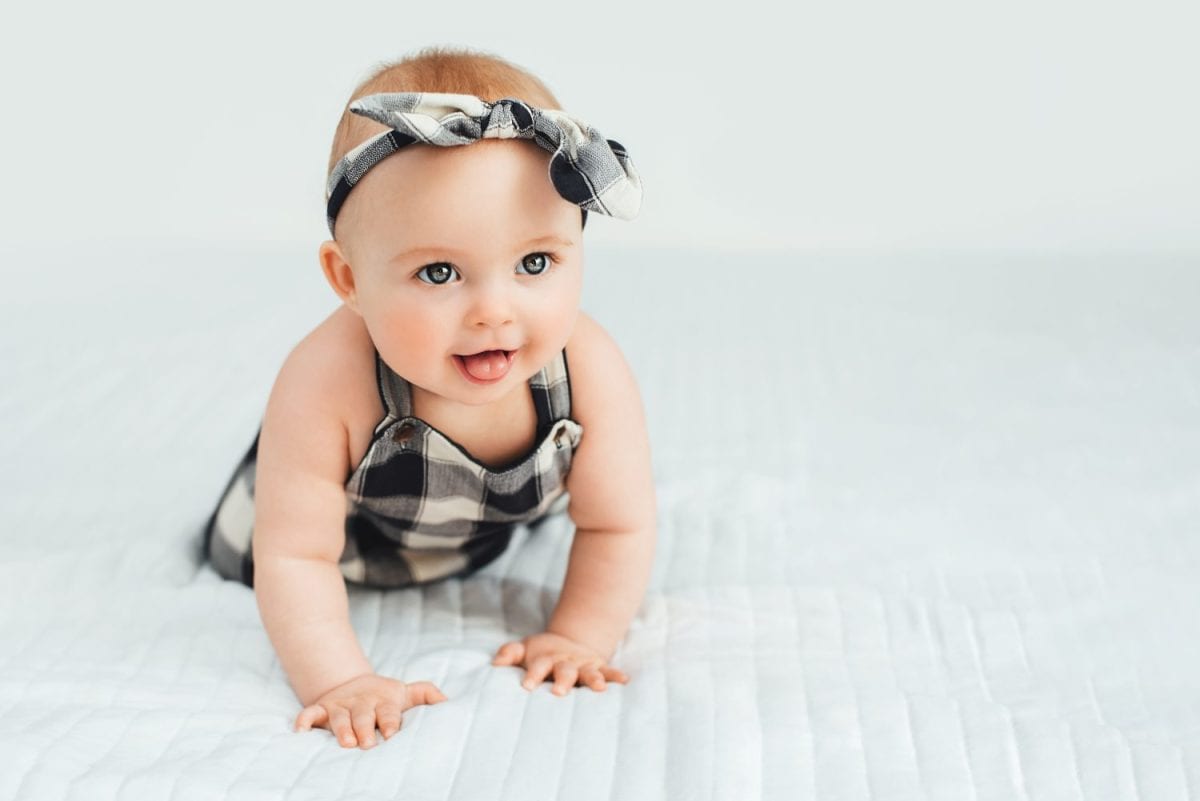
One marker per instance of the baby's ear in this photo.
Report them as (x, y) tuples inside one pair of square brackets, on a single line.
[(337, 271)]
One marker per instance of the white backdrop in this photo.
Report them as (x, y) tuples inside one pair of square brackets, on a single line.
[(927, 520), (1046, 125)]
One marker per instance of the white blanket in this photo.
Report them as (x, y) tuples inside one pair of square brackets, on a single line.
[(927, 531)]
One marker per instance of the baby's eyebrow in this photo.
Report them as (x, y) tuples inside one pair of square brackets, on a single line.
[(434, 250)]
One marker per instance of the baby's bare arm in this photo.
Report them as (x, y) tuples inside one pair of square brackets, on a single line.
[(612, 496), (303, 605), (611, 483), (299, 528), (304, 609), (299, 535)]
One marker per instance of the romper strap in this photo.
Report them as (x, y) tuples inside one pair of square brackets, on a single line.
[(552, 391), (394, 391)]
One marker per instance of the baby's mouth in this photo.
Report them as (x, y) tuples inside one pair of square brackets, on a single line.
[(486, 366)]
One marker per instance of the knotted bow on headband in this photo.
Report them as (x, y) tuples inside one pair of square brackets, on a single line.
[(593, 172)]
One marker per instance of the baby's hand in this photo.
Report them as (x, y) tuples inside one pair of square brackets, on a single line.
[(352, 709), (570, 662)]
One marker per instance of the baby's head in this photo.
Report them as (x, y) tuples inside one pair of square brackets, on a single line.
[(448, 251)]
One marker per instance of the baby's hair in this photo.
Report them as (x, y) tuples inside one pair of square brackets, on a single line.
[(439, 69)]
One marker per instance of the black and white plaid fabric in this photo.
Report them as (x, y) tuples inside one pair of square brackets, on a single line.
[(585, 168), (419, 508)]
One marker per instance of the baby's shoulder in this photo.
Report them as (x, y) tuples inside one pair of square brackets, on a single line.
[(324, 370), (598, 370)]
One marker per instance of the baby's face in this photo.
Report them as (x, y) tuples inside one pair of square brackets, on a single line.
[(458, 250)]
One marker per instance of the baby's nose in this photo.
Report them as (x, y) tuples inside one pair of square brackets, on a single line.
[(490, 307)]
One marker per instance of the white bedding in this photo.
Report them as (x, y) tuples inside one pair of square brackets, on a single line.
[(927, 531)]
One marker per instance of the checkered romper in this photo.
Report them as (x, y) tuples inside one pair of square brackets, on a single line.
[(419, 508)]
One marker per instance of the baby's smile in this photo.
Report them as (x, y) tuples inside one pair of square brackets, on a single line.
[(485, 367)]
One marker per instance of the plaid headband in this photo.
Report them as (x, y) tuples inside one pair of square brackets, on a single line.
[(593, 172)]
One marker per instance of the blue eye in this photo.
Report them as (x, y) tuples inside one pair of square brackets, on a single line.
[(439, 272), (539, 264)]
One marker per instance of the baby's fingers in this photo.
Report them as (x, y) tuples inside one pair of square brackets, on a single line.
[(536, 671), (511, 653), (339, 724), (565, 675), (423, 692), (592, 677), (310, 716), (388, 715), (612, 674), (363, 722)]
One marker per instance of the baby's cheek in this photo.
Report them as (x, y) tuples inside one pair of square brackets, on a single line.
[(425, 333), (564, 313), (409, 339), (416, 325)]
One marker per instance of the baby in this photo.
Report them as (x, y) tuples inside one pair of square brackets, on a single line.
[(412, 429)]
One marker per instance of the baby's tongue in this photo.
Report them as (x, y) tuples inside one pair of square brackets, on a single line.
[(487, 365)]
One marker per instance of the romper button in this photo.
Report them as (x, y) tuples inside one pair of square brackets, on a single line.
[(404, 433), (558, 438)]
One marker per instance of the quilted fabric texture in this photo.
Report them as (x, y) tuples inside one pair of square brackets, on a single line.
[(927, 531)]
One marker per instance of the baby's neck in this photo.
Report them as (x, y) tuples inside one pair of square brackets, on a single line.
[(434, 408)]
